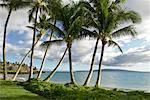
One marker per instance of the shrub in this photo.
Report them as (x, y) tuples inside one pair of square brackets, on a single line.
[(54, 91)]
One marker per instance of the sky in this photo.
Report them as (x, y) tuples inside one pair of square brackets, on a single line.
[(136, 51)]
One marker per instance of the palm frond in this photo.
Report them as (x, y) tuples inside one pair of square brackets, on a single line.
[(125, 31), (31, 12), (77, 23), (4, 5), (119, 1), (31, 27), (52, 42), (87, 5), (86, 32), (124, 16), (134, 16), (113, 43), (58, 30)]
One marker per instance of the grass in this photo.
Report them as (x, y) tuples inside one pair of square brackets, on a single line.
[(11, 91), (51, 91)]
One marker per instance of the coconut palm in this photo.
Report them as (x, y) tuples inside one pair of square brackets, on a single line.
[(41, 31), (41, 26), (72, 21), (46, 50), (54, 7), (105, 18), (55, 69), (36, 6), (10, 5)]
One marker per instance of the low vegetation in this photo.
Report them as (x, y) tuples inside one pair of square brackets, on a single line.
[(54, 91), (20, 91)]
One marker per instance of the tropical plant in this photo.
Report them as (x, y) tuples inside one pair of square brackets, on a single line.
[(46, 50), (72, 21), (10, 5), (106, 17), (54, 7), (37, 6), (41, 26)]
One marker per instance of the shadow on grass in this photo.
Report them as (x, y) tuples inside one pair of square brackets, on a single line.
[(23, 97)]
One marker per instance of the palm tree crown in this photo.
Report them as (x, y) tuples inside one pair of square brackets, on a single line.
[(71, 19)]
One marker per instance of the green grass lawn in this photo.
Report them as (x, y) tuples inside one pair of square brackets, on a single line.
[(11, 91)]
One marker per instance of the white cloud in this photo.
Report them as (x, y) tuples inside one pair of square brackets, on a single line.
[(82, 50)]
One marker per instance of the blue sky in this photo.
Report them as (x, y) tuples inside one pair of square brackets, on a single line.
[(136, 54)]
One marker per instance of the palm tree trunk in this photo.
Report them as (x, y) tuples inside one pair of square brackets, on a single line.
[(4, 46), (71, 69), (92, 63), (19, 68), (100, 70), (32, 52), (54, 70), (43, 60)]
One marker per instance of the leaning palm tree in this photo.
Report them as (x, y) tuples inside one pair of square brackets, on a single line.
[(10, 5), (45, 27), (36, 7), (72, 21), (54, 7), (41, 26), (106, 18)]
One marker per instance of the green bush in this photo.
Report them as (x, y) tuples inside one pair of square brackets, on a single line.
[(76, 92)]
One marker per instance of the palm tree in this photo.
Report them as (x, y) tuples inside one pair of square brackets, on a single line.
[(10, 5), (41, 31), (54, 7), (46, 50), (72, 21), (55, 69), (106, 16), (36, 6)]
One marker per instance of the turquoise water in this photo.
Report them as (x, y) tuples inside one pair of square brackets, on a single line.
[(113, 79)]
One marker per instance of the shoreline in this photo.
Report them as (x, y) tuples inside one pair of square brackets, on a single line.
[(9, 77), (74, 91), (22, 79)]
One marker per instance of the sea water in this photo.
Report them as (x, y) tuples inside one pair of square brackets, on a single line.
[(110, 78)]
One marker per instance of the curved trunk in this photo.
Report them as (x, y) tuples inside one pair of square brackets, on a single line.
[(87, 81), (43, 60), (71, 69), (54, 70), (32, 52), (19, 68), (99, 75), (4, 46)]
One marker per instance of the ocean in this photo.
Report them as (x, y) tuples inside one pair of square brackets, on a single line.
[(110, 78)]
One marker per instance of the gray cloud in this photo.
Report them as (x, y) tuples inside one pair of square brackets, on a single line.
[(131, 58), (141, 6)]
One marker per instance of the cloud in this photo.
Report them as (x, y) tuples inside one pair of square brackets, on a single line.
[(133, 57), (141, 6), (20, 40)]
